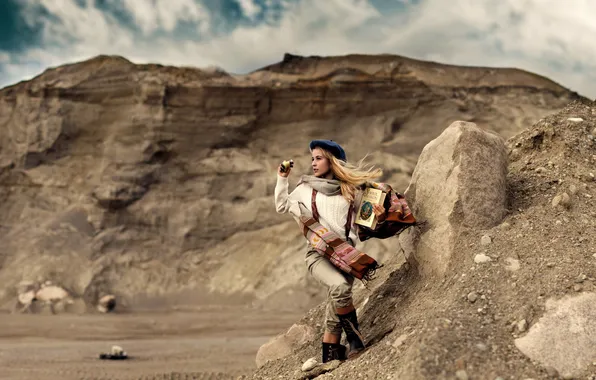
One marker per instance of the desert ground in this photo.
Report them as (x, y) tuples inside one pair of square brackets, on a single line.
[(218, 342)]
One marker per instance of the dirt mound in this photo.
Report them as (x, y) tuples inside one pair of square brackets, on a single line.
[(467, 323)]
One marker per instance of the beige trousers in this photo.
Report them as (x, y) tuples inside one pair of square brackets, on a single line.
[(339, 285)]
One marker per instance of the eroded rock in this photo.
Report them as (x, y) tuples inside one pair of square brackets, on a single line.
[(459, 181), (569, 325), (115, 196)]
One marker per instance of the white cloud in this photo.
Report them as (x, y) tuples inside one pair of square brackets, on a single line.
[(249, 7), (151, 15), (548, 37)]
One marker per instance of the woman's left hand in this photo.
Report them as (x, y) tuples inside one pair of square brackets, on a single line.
[(379, 211)]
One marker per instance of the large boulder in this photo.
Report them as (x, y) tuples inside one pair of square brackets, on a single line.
[(460, 181), (54, 298), (284, 344), (568, 326)]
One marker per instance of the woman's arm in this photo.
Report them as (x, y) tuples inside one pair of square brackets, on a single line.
[(282, 198), (285, 202)]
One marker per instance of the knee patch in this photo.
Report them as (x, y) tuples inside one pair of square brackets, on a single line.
[(341, 294)]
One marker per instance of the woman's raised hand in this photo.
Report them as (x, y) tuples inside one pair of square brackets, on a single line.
[(285, 168)]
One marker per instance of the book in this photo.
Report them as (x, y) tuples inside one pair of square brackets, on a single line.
[(365, 215)]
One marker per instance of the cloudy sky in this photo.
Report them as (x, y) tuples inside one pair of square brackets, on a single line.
[(554, 38)]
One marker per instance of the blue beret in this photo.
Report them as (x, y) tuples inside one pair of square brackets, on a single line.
[(330, 146)]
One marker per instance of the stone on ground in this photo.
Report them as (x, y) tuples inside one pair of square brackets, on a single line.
[(284, 344), (569, 325)]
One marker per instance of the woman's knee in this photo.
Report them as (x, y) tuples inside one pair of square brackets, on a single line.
[(340, 294)]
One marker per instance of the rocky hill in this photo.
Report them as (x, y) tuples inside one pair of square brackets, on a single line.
[(147, 181), (500, 281)]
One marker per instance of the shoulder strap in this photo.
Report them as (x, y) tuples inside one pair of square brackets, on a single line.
[(315, 213), (349, 220)]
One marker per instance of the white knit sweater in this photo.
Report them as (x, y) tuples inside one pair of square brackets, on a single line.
[(333, 210)]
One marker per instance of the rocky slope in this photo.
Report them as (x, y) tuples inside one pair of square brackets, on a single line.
[(506, 295), (146, 180)]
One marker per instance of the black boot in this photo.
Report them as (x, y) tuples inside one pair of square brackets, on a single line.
[(349, 322), (333, 351)]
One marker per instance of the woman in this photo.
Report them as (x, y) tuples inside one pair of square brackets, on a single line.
[(328, 198)]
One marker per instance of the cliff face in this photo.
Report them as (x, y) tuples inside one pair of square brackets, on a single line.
[(147, 180)]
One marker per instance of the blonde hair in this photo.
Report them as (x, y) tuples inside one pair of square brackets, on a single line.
[(351, 176)]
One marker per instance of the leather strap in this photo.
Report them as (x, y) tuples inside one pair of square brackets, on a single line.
[(313, 204), (349, 221), (315, 213)]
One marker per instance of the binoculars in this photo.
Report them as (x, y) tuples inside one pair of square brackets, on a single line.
[(286, 165)]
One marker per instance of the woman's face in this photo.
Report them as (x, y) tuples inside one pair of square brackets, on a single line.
[(320, 164)]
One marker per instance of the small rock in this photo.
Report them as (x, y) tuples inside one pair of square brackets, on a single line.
[(486, 240), (482, 258), (572, 189), (27, 297), (581, 278), (551, 371), (106, 303), (309, 364), (117, 351), (577, 287), (594, 255), (461, 375), (482, 347), (505, 225), (321, 369), (400, 340), (472, 297), (575, 119), (515, 153), (565, 200), (512, 264), (561, 200), (540, 169), (522, 325)]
